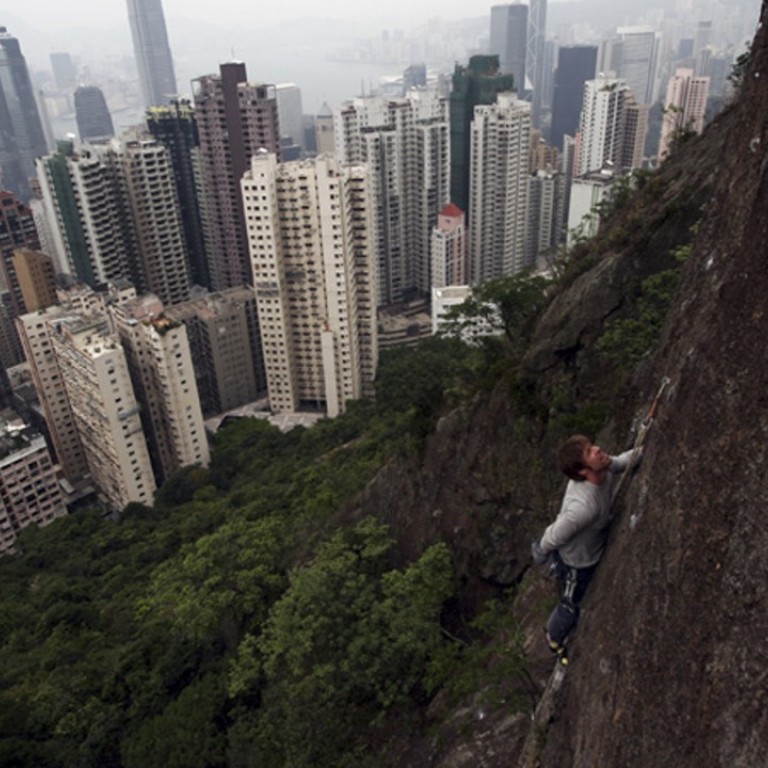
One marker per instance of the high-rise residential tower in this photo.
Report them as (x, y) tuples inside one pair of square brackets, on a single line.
[(575, 65), (93, 118), (114, 212), (86, 218), (684, 107), (35, 330), (235, 119), (36, 279), (115, 378), (404, 141), (158, 257), (499, 188), (152, 51), (473, 85), (509, 41), (29, 489), (612, 129), (21, 131), (17, 230), (175, 127), (105, 411), (449, 248), (224, 340), (160, 364), (310, 229), (542, 214)]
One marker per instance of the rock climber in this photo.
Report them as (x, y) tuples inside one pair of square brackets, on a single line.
[(575, 541)]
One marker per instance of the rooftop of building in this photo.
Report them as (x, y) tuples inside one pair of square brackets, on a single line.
[(259, 409), (15, 434), (452, 210), (404, 323), (163, 324), (452, 292)]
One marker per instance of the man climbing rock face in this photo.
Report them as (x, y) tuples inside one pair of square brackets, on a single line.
[(576, 539)]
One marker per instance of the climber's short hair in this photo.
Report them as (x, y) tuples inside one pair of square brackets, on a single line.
[(570, 456)]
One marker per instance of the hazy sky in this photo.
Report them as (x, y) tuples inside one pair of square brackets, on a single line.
[(204, 33), (100, 13)]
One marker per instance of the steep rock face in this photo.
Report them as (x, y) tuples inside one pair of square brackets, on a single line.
[(670, 664)]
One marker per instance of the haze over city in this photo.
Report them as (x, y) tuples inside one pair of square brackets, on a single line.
[(331, 51)]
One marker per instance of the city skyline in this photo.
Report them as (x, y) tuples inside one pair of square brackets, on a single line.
[(329, 244)]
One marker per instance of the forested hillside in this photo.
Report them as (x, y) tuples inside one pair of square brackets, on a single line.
[(251, 617)]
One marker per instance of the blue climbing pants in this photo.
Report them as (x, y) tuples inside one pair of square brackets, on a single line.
[(573, 583)]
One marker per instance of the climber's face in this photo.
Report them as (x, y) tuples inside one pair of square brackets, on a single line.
[(596, 462)]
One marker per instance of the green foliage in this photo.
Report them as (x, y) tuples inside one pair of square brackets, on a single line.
[(181, 487), (618, 198), (221, 582), (588, 419), (505, 306), (626, 341), (234, 623), (192, 720), (739, 70), (493, 665), (414, 384), (348, 641)]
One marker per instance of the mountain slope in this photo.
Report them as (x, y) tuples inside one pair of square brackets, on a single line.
[(672, 668), (669, 667)]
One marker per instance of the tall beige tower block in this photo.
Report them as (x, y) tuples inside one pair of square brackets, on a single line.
[(310, 234), (498, 188), (160, 362), (105, 411), (684, 107)]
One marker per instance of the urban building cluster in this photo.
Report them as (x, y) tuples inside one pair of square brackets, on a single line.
[(232, 250)]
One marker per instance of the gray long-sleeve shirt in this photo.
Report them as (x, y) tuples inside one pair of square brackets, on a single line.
[(580, 529)]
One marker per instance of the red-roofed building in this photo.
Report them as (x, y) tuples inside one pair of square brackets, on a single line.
[(449, 248)]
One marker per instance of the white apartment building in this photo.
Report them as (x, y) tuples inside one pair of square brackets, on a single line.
[(160, 255), (115, 378), (86, 218), (587, 192), (499, 188), (612, 129), (684, 107), (113, 213), (405, 143), (104, 407), (29, 491), (310, 233), (445, 299), (35, 334), (160, 363)]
